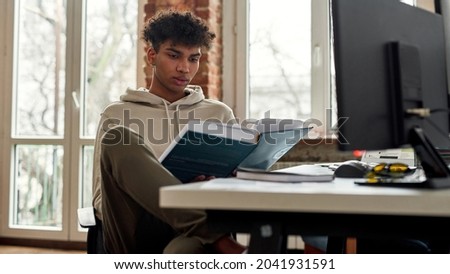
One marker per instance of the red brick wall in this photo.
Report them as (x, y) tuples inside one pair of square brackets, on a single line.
[(209, 76)]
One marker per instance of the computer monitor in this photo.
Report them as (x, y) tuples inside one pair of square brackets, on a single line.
[(391, 81)]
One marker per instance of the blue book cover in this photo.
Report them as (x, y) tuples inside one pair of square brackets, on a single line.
[(215, 149)]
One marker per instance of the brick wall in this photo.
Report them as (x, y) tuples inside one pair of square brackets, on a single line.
[(209, 76)]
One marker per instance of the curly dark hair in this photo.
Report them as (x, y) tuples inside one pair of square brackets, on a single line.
[(181, 27)]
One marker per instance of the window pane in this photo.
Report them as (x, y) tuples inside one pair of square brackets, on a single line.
[(37, 197), (280, 62), (40, 74), (111, 43), (86, 176)]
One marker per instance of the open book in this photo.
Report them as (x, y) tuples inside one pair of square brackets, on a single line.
[(295, 174), (215, 149)]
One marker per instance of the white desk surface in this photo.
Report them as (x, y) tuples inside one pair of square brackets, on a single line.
[(339, 196)]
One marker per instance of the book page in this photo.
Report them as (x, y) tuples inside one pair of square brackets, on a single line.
[(273, 125)]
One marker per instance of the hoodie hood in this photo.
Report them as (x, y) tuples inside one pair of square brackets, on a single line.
[(194, 94)]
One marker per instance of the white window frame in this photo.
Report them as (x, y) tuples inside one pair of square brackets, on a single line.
[(235, 52), (5, 34), (7, 7)]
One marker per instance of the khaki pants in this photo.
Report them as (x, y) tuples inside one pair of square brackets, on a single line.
[(132, 218)]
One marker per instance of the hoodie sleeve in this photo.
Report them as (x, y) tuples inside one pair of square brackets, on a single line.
[(229, 117)]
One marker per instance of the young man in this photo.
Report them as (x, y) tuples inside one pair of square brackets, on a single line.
[(134, 132)]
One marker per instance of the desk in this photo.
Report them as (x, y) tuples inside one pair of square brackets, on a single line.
[(270, 211)]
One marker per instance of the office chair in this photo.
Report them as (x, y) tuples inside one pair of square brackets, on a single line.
[(154, 234), (94, 241)]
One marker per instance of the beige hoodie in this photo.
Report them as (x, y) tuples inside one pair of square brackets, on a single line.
[(156, 120)]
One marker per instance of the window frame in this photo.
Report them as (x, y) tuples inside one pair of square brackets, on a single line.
[(69, 230), (5, 14)]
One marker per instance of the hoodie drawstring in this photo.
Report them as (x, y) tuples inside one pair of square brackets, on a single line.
[(176, 120), (168, 120)]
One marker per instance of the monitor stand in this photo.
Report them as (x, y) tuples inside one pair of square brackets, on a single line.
[(436, 170)]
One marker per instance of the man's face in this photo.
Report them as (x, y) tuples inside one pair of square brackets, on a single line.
[(174, 68)]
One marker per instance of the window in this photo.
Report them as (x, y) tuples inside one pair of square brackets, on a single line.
[(287, 72), (279, 60), (65, 60)]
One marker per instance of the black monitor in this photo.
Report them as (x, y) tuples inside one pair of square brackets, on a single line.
[(391, 81)]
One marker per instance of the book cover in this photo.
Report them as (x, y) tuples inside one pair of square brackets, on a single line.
[(215, 149)]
